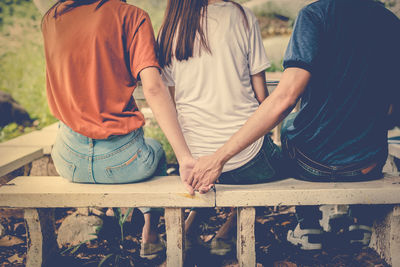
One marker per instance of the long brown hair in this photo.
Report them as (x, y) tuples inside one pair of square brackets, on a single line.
[(183, 20)]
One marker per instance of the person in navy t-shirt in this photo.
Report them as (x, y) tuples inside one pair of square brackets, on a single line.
[(342, 61)]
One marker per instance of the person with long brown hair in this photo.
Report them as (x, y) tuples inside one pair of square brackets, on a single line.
[(214, 63), (96, 52)]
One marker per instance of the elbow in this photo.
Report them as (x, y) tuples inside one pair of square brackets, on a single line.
[(153, 89), (287, 101)]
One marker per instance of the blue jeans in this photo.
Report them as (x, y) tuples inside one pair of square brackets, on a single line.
[(118, 159), (265, 167), (301, 167)]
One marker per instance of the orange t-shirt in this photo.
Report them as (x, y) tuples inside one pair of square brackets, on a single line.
[(93, 59)]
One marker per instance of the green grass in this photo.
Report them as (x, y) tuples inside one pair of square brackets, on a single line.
[(22, 66)]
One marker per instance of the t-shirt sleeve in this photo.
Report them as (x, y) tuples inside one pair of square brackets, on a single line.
[(142, 46), (258, 60), (167, 76), (302, 50)]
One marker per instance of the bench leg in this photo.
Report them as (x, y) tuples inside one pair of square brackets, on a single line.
[(174, 228), (245, 247), (385, 237), (41, 239)]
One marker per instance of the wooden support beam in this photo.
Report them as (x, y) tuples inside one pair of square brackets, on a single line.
[(174, 228), (41, 239), (246, 250)]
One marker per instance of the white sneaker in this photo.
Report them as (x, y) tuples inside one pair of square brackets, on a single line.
[(334, 217), (305, 239), (360, 235)]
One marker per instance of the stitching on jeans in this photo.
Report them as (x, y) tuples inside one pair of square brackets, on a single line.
[(74, 152), (308, 167), (126, 163), (119, 150)]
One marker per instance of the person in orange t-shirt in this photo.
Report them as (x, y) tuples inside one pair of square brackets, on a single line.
[(96, 52)]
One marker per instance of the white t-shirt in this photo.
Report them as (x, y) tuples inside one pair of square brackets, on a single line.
[(213, 92)]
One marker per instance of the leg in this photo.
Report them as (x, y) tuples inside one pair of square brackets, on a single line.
[(149, 233), (226, 229), (308, 233), (246, 251), (151, 246), (41, 237), (360, 230), (223, 242), (174, 227)]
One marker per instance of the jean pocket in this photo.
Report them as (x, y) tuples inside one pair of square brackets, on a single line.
[(64, 168), (132, 169)]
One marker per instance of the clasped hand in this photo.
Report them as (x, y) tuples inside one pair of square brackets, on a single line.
[(201, 174)]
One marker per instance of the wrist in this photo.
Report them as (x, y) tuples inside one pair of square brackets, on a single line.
[(221, 156), (187, 157)]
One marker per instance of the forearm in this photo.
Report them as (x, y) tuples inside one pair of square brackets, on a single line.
[(259, 86), (160, 102), (164, 111)]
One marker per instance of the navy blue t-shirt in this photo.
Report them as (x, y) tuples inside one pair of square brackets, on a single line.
[(352, 50)]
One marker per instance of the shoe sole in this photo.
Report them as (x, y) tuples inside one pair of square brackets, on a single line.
[(303, 242), (221, 252)]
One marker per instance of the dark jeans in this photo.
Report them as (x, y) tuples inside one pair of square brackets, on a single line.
[(265, 167), (304, 168)]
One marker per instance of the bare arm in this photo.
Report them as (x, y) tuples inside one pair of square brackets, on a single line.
[(259, 86), (161, 104), (271, 112)]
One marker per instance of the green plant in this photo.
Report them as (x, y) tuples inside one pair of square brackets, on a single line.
[(116, 240), (111, 232)]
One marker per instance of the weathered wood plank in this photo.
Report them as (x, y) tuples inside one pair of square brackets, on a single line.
[(38, 139), (12, 158), (385, 239), (54, 191), (394, 150), (245, 247), (42, 245), (174, 228), (295, 192)]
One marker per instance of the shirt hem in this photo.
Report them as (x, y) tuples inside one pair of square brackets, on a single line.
[(260, 68)]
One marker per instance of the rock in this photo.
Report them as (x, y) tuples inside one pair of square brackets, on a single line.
[(83, 211), (76, 229), (11, 111), (43, 167)]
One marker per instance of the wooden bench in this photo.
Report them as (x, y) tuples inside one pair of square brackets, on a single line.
[(38, 195), (24, 149)]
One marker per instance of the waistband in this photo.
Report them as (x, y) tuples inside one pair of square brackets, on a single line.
[(356, 171), (79, 142)]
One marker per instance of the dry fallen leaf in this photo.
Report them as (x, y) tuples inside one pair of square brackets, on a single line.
[(285, 223), (9, 241), (15, 259)]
